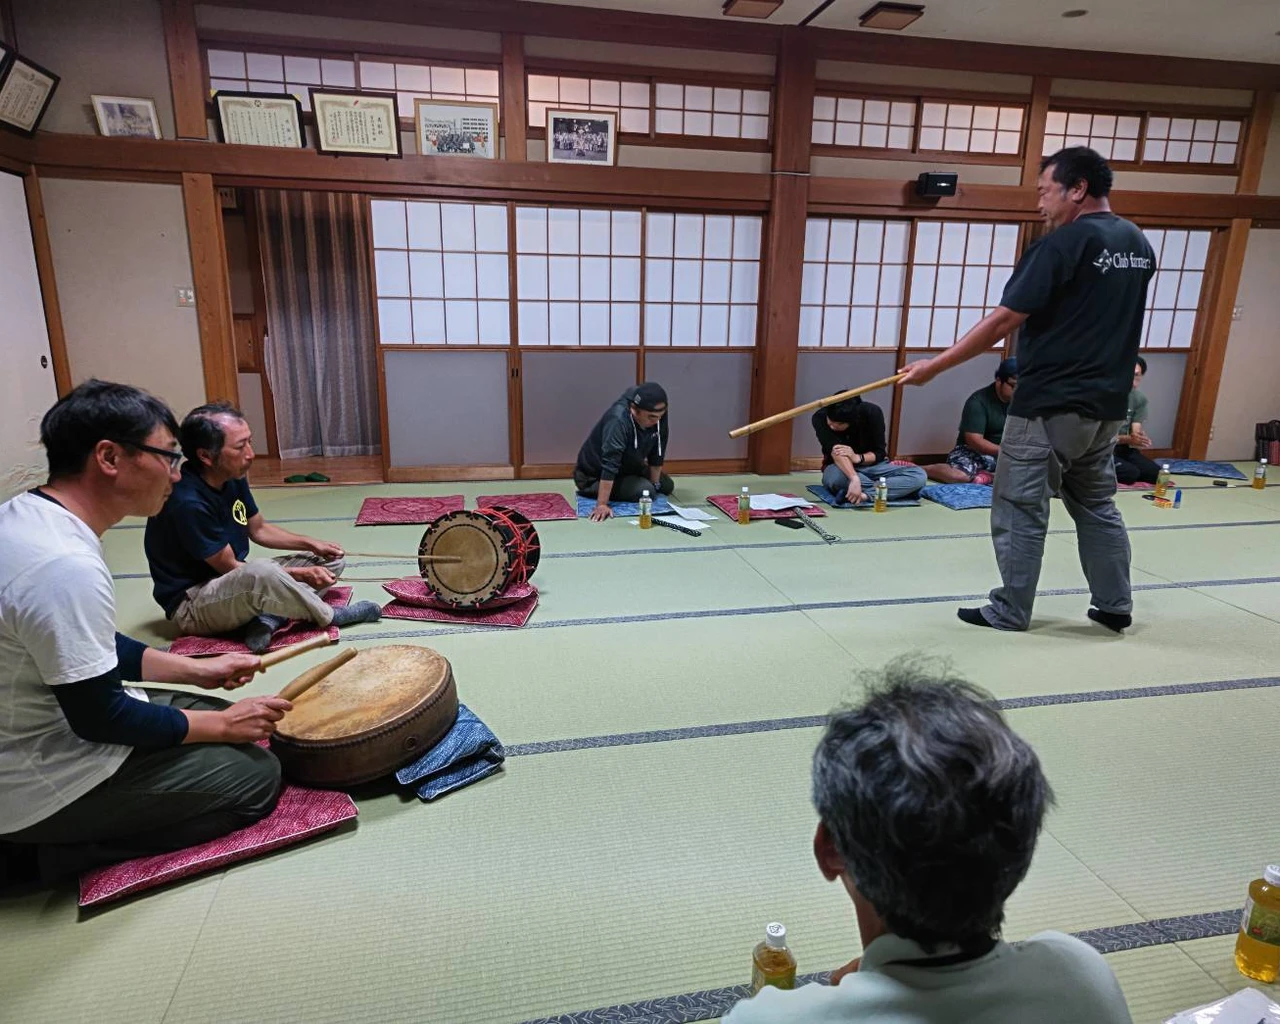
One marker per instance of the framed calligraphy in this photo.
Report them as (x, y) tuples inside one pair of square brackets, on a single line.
[(362, 123)]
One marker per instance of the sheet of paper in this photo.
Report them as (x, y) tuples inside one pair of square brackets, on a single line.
[(685, 512), (775, 502)]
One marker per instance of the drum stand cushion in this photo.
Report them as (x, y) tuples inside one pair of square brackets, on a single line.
[(469, 752), (413, 590), (514, 615)]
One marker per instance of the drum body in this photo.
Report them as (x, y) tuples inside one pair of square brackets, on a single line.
[(498, 548), (383, 709)]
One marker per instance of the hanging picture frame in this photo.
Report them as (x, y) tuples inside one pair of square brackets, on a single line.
[(26, 90), (582, 137), (259, 119), (456, 128), (356, 123)]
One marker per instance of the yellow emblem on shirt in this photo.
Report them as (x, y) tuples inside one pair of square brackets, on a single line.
[(238, 513)]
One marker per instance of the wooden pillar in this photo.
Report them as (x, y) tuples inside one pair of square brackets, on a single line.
[(515, 115), (1037, 115), (1255, 143), (186, 72), (212, 287), (48, 283), (779, 334)]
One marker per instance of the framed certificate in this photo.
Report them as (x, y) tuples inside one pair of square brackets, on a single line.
[(6, 55), (25, 92), (456, 128), (259, 119), (362, 123)]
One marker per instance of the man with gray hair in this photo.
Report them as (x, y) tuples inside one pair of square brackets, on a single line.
[(929, 808)]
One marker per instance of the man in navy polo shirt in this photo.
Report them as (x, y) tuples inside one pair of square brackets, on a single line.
[(198, 545)]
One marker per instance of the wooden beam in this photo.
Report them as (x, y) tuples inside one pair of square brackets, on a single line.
[(1033, 140), (779, 331), (574, 22), (1255, 143), (48, 284), (212, 287), (514, 107), (186, 70), (1205, 368)]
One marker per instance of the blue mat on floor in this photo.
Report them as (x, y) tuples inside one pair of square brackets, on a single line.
[(834, 500), (622, 508), (468, 753), (959, 496), (1190, 467)]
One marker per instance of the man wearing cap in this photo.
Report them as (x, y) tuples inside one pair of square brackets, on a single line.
[(623, 454), (973, 459)]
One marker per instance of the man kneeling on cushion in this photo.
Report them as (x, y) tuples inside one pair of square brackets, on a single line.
[(623, 454), (198, 546), (973, 459), (92, 772)]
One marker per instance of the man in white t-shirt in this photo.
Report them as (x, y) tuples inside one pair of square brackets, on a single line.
[(90, 772), (929, 807)]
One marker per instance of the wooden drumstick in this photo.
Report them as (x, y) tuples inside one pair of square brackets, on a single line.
[(421, 558), (285, 653), (311, 676), (800, 410)]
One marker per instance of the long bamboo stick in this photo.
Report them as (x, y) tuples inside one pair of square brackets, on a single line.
[(800, 410)]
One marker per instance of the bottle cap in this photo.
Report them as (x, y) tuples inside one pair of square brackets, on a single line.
[(744, 490), (775, 935), (1165, 466), (1271, 875), (1263, 461), (644, 494)]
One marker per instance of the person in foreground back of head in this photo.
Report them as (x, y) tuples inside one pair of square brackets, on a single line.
[(929, 808)]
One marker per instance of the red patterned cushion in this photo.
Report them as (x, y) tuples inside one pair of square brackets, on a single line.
[(514, 615), (390, 511), (294, 633), (299, 814), (728, 504), (413, 590), (534, 507)]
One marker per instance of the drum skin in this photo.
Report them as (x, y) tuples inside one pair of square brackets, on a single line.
[(383, 709)]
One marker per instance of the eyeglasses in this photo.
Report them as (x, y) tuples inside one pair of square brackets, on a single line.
[(175, 457)]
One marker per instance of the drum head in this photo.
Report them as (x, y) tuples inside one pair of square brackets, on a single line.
[(486, 558), (375, 690)]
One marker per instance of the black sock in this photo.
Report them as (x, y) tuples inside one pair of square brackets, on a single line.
[(973, 616), (1112, 620), (257, 634), (361, 611)]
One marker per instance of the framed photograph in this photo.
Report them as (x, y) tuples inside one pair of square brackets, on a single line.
[(25, 92), (259, 119), (582, 137), (126, 116), (361, 123), (456, 129)]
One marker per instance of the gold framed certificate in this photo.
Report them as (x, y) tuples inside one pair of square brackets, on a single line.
[(25, 92), (360, 123), (259, 119)]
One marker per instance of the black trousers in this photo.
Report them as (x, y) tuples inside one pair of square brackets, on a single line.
[(1133, 467), (625, 488), (158, 800)]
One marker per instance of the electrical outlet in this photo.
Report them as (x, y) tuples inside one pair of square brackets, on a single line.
[(1237, 312), (186, 296)]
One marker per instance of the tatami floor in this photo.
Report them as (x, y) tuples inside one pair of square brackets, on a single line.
[(660, 711)]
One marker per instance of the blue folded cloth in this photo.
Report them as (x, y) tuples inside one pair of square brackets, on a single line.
[(623, 508), (837, 500), (1191, 467), (959, 496), (469, 752)]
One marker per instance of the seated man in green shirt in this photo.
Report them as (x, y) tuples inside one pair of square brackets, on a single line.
[(1132, 466), (973, 459), (929, 807)]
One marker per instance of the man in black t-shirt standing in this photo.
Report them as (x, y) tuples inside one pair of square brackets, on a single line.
[(198, 545), (1078, 296)]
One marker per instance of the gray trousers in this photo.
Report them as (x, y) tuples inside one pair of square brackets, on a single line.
[(1071, 456), (158, 800), (259, 587), (626, 488)]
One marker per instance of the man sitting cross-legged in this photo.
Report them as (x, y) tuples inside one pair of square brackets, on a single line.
[(198, 545), (973, 459)]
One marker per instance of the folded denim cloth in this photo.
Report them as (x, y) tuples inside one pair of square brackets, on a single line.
[(468, 752)]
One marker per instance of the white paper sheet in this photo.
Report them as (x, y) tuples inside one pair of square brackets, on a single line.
[(685, 512), (692, 524), (775, 503)]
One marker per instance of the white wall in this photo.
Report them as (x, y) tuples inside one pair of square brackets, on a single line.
[(119, 253), (1250, 388)]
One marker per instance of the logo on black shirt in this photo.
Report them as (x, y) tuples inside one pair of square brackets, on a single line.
[(238, 513), (1108, 260)]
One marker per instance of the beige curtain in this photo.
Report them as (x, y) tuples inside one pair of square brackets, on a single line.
[(320, 352)]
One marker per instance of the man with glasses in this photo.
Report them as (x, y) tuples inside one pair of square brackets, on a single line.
[(92, 772), (198, 545)]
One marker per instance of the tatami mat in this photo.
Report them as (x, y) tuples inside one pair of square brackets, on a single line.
[(559, 885)]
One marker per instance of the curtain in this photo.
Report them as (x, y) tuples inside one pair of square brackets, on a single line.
[(321, 356)]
